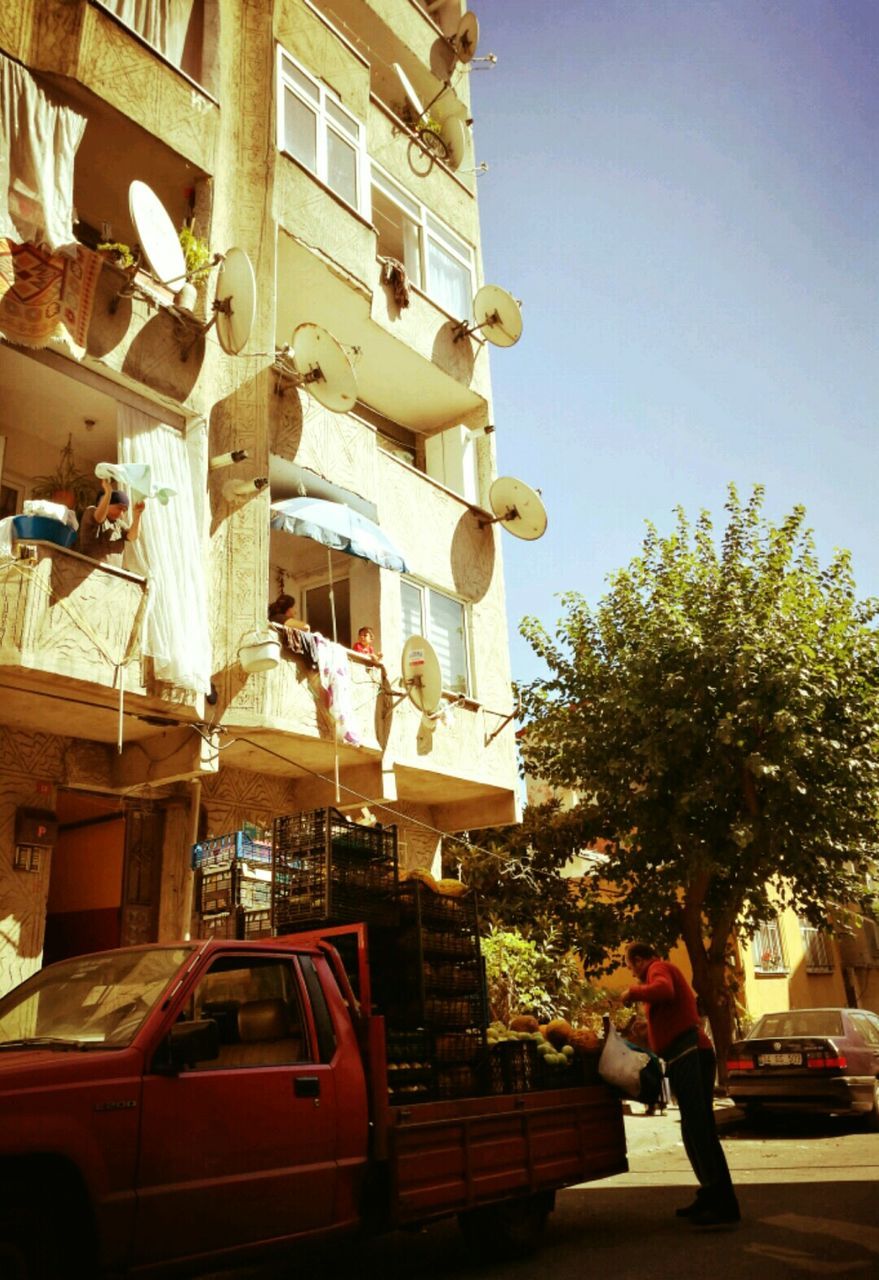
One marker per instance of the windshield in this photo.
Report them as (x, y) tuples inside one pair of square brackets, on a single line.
[(799, 1022), (89, 1000)]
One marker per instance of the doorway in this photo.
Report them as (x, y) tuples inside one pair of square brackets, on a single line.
[(105, 877)]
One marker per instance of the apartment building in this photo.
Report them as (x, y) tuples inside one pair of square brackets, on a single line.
[(146, 706)]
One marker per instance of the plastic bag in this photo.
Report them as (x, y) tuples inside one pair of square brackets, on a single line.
[(635, 1072)]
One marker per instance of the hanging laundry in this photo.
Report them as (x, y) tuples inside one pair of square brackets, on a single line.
[(336, 683)]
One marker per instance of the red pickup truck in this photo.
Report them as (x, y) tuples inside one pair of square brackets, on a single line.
[(199, 1104)]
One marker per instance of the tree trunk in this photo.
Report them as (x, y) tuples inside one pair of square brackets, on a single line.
[(709, 982)]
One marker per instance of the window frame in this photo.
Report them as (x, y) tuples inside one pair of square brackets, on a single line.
[(759, 948), (816, 949), (425, 590), (322, 105), (431, 230)]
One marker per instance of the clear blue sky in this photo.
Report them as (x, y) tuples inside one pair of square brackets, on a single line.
[(684, 195)]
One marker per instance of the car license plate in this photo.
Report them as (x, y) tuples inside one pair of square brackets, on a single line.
[(780, 1060)]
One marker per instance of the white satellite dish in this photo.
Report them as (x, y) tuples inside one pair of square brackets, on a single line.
[(157, 235), (454, 135), (422, 676), (496, 315), (466, 38), (323, 368), (235, 301), (517, 507)]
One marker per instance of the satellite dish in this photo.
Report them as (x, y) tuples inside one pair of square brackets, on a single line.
[(411, 96), (422, 677), (157, 235), (454, 135), (496, 314), (466, 38), (323, 367), (517, 507), (235, 301)]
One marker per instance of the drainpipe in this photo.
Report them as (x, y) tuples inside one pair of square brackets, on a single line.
[(189, 883)]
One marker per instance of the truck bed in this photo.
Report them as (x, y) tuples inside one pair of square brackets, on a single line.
[(450, 1156)]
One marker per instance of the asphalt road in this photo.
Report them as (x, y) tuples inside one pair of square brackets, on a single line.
[(807, 1188)]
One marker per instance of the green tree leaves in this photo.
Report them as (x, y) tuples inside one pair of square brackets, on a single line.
[(717, 712)]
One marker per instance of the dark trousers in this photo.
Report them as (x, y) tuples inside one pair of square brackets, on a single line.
[(691, 1073)]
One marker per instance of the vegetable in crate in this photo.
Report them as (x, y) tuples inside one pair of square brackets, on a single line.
[(524, 1023)]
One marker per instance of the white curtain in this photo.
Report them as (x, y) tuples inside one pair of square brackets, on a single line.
[(169, 551), (38, 143), (163, 23)]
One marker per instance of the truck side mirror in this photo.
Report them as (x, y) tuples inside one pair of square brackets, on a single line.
[(187, 1044)]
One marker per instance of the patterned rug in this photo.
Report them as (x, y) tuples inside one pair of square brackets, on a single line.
[(41, 291)]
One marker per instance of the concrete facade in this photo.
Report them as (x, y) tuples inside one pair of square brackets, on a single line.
[(208, 135)]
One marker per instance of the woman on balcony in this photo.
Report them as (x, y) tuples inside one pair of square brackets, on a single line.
[(102, 535)]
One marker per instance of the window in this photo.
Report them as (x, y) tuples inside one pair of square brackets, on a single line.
[(315, 129), (257, 1006), (817, 949), (767, 949), (436, 260), (319, 611), (442, 620)]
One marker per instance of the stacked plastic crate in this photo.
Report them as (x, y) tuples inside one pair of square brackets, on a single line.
[(442, 988), (233, 889), (329, 870)]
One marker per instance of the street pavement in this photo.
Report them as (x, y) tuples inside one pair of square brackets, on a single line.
[(807, 1188)]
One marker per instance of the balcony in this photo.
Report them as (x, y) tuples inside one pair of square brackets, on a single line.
[(408, 365), (67, 628), (103, 64)]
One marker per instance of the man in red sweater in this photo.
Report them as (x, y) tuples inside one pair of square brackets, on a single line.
[(674, 1033)]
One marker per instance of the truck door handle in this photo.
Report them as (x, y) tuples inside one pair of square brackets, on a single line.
[(306, 1086)]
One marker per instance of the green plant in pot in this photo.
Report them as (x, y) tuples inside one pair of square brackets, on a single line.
[(121, 255), (72, 488), (196, 252)]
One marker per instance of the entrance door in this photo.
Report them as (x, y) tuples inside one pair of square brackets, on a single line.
[(144, 832)]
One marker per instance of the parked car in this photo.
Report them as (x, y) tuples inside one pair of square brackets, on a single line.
[(819, 1060)]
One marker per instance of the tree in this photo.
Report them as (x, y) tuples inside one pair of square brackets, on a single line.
[(516, 872), (718, 713)]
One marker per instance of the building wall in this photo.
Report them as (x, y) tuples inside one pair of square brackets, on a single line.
[(208, 146)]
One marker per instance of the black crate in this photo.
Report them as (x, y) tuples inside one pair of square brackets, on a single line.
[(327, 870), (550, 1076), (513, 1066), (216, 889), (464, 1046), (256, 924), (222, 924), (439, 912), (457, 1082)]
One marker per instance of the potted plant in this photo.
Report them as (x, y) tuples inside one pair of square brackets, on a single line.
[(72, 488), (196, 252), (121, 255)]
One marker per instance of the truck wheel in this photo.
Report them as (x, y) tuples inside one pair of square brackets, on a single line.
[(34, 1245), (508, 1229)]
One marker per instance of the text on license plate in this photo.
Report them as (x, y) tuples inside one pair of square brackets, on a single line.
[(780, 1060)]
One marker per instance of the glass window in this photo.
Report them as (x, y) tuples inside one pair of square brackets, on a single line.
[(817, 949), (413, 623), (767, 949), (315, 129), (436, 260), (442, 620), (256, 1004), (300, 130), (319, 611)]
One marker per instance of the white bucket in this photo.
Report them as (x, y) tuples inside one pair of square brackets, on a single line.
[(259, 651)]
